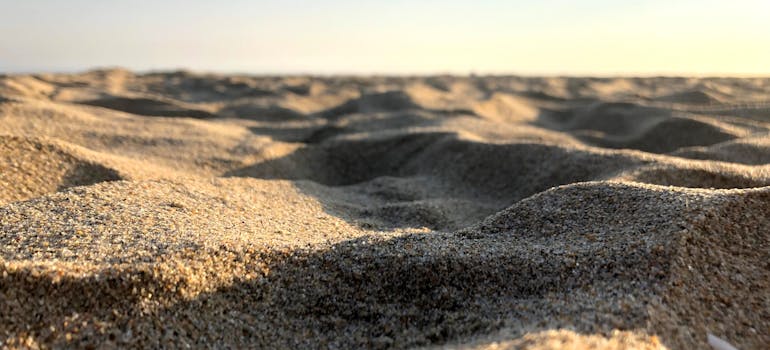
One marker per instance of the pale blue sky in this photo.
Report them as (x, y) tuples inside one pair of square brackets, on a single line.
[(598, 37)]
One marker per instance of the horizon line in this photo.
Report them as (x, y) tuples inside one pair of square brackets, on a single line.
[(393, 73)]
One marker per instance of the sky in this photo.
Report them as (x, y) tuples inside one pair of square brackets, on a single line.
[(546, 37)]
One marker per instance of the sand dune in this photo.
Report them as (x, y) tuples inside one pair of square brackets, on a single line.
[(383, 212)]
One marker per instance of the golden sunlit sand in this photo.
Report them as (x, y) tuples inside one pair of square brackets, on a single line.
[(184, 209)]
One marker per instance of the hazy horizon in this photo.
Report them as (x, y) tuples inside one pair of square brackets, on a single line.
[(554, 37)]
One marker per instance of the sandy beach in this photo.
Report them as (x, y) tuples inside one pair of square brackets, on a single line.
[(182, 209)]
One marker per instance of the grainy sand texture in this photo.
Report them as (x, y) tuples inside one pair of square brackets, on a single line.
[(208, 211)]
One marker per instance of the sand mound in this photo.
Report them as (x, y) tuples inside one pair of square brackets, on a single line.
[(24, 87), (31, 167), (667, 136), (749, 150), (486, 173), (614, 257), (704, 175), (690, 97), (628, 125), (262, 113), (506, 108), (675, 133), (719, 281), (616, 118), (372, 102), (382, 212), (147, 106)]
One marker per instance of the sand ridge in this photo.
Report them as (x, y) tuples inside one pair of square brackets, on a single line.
[(185, 209)]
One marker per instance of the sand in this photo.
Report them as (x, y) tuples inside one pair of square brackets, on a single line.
[(192, 210)]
